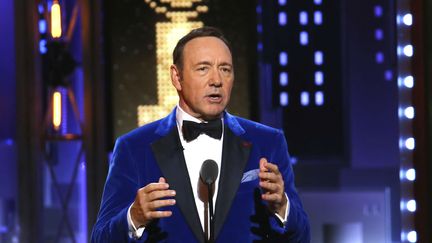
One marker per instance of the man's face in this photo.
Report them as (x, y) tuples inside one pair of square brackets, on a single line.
[(204, 84)]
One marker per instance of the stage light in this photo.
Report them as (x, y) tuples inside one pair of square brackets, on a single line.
[(56, 29), (318, 58), (319, 98), (378, 11), (411, 205), (408, 81), (388, 74), (57, 109), (283, 58), (408, 50), (259, 28), (304, 98), (412, 236), (282, 2), (304, 38), (318, 18), (407, 19), (410, 143), (260, 46), (410, 174), (379, 34), (283, 79), (319, 78), (282, 18), (409, 112), (318, 2), (42, 46), (42, 26), (283, 98), (379, 57), (303, 18), (41, 8)]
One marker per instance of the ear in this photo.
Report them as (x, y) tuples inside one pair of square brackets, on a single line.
[(175, 77)]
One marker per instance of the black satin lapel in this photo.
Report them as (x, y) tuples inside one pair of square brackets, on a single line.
[(169, 156), (235, 155)]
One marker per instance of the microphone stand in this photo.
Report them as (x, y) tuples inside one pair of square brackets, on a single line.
[(210, 201)]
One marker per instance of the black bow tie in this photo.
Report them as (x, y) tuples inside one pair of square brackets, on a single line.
[(192, 130)]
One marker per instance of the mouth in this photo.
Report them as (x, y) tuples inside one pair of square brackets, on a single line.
[(214, 98)]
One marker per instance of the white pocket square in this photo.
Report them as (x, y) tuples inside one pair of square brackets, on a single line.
[(250, 175)]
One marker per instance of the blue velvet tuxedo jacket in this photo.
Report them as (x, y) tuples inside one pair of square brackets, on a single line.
[(154, 150)]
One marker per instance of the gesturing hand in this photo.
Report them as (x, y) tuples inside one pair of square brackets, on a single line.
[(148, 200), (272, 183)]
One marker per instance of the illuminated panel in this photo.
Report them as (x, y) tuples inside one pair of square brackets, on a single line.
[(167, 34), (304, 39)]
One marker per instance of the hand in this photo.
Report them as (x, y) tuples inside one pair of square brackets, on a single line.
[(148, 200), (272, 183)]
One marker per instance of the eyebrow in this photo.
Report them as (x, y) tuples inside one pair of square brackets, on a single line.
[(209, 63)]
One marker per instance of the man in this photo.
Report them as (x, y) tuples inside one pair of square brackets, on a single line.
[(152, 189)]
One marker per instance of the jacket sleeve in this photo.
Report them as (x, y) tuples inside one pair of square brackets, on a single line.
[(120, 190), (297, 227)]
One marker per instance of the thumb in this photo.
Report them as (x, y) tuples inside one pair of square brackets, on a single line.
[(263, 162), (162, 180)]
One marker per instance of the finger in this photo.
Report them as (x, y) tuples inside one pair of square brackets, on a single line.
[(158, 214), (270, 187), (154, 205), (272, 167), (272, 197), (154, 187), (269, 176), (262, 163), (162, 180), (154, 195)]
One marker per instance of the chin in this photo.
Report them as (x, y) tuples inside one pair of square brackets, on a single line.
[(213, 114)]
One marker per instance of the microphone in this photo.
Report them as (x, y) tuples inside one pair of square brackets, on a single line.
[(208, 174)]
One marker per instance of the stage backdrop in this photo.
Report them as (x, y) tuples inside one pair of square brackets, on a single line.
[(131, 43)]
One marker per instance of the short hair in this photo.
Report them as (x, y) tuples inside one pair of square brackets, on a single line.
[(205, 31)]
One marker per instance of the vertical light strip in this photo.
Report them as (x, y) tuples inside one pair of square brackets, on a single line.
[(57, 109), (405, 52), (56, 28)]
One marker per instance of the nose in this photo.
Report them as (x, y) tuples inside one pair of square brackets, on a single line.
[(216, 79)]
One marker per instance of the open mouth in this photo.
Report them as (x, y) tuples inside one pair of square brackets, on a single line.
[(215, 97)]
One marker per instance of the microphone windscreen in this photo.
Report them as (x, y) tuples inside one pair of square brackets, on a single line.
[(209, 171)]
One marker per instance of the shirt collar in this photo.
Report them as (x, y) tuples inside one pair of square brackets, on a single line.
[(182, 115)]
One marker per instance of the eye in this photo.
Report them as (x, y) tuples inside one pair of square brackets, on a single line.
[(226, 70), (202, 68)]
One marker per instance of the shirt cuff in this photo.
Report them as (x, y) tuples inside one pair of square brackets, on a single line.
[(287, 210), (133, 231)]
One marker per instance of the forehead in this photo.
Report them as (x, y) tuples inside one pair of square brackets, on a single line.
[(206, 47)]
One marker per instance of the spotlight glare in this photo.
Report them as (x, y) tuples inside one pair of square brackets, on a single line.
[(303, 18), (411, 205), (304, 38), (318, 58), (283, 98), (407, 19), (409, 112), (319, 78), (410, 143), (408, 50), (304, 98), (283, 58), (283, 79), (412, 236), (410, 174), (409, 81)]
